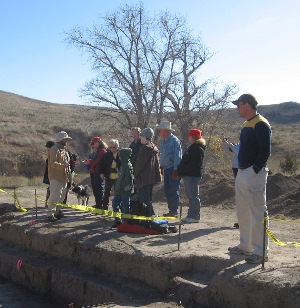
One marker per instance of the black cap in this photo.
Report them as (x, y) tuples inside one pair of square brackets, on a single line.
[(246, 98), (49, 144)]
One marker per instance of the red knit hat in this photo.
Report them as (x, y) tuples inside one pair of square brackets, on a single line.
[(197, 133), (95, 139)]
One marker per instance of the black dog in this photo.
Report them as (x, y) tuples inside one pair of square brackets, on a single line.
[(83, 193), (137, 207), (140, 209)]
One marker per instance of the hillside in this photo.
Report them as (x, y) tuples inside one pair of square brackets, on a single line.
[(284, 113), (26, 124)]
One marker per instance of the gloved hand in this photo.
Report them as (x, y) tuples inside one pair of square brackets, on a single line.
[(174, 175), (162, 171)]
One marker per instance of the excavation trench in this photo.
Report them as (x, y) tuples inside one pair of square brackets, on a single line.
[(81, 260)]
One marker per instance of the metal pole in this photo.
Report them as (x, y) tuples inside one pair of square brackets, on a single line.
[(264, 240), (35, 204), (15, 196), (179, 231)]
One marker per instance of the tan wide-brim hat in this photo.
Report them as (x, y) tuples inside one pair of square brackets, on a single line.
[(165, 125), (61, 136)]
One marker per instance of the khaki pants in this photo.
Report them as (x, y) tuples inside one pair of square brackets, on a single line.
[(57, 195), (250, 198)]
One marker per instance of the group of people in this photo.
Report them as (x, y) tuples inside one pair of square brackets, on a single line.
[(134, 170)]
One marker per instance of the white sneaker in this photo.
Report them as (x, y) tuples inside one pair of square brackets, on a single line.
[(189, 220)]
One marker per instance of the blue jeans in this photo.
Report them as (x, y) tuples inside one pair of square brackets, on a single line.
[(191, 184), (171, 189), (125, 200), (98, 187), (145, 196)]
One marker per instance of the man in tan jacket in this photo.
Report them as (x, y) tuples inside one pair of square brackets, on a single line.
[(59, 174)]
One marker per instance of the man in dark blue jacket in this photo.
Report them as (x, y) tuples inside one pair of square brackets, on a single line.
[(250, 184)]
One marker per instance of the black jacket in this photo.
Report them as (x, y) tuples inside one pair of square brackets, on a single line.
[(105, 164), (192, 161), (135, 147)]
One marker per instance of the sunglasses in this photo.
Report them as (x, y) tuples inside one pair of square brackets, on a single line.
[(112, 147)]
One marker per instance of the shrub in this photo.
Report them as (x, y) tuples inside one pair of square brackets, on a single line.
[(290, 164)]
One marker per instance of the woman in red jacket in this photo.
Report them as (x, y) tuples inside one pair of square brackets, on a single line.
[(99, 148), (190, 169)]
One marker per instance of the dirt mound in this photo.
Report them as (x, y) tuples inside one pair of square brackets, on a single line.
[(287, 205), (279, 184), (221, 193), (283, 193)]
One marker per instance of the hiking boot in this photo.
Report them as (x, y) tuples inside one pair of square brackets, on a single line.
[(189, 220), (59, 215), (51, 218), (256, 259), (171, 214), (239, 251)]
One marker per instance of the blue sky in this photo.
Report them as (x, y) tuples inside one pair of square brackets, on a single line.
[(256, 45)]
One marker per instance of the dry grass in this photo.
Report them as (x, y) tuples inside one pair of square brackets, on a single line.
[(26, 124), (19, 181)]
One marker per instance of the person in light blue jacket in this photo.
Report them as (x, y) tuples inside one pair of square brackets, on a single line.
[(232, 147), (171, 153)]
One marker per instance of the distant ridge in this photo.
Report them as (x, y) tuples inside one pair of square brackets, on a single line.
[(284, 113)]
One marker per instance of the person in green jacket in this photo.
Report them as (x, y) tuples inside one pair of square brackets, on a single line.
[(124, 185)]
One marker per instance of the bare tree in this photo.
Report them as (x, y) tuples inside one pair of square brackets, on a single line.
[(132, 55), (193, 101), (148, 69)]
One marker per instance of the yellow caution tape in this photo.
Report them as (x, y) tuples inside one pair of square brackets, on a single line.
[(285, 220), (16, 200), (272, 236), (275, 240), (18, 204), (110, 213)]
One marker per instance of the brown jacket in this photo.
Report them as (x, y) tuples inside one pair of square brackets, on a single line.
[(146, 168), (57, 157)]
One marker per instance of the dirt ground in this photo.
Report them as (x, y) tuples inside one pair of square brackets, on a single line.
[(210, 237), (217, 215)]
